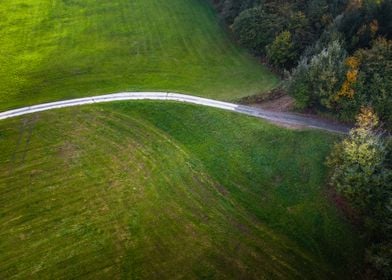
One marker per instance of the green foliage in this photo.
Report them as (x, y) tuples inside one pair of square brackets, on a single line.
[(230, 9), (357, 165), (316, 82), (357, 23), (255, 29), (317, 11), (364, 21), (299, 87), (256, 23), (282, 51), (368, 82), (327, 82), (303, 34), (326, 71), (380, 257), (322, 33), (374, 85)]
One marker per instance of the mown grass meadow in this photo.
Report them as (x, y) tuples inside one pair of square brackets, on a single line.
[(61, 49), (150, 190)]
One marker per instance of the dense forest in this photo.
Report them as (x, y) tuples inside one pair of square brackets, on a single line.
[(335, 57)]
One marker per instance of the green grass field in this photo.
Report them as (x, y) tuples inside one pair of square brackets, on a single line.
[(61, 49), (150, 190)]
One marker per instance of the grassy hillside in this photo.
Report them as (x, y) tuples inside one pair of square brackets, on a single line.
[(164, 190), (58, 49)]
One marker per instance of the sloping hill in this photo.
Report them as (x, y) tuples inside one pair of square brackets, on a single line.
[(60, 49), (163, 190)]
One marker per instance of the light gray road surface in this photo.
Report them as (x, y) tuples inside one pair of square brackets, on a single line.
[(289, 119)]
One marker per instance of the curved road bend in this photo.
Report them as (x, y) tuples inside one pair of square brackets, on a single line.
[(275, 117)]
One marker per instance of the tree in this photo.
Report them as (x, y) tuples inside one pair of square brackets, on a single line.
[(317, 11), (298, 85), (374, 84), (326, 72), (230, 10), (256, 29), (282, 51), (301, 30), (319, 77), (361, 171)]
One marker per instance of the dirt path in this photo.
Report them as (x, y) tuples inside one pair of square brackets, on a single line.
[(282, 118)]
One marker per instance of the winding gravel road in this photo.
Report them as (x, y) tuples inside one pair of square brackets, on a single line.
[(275, 117)]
